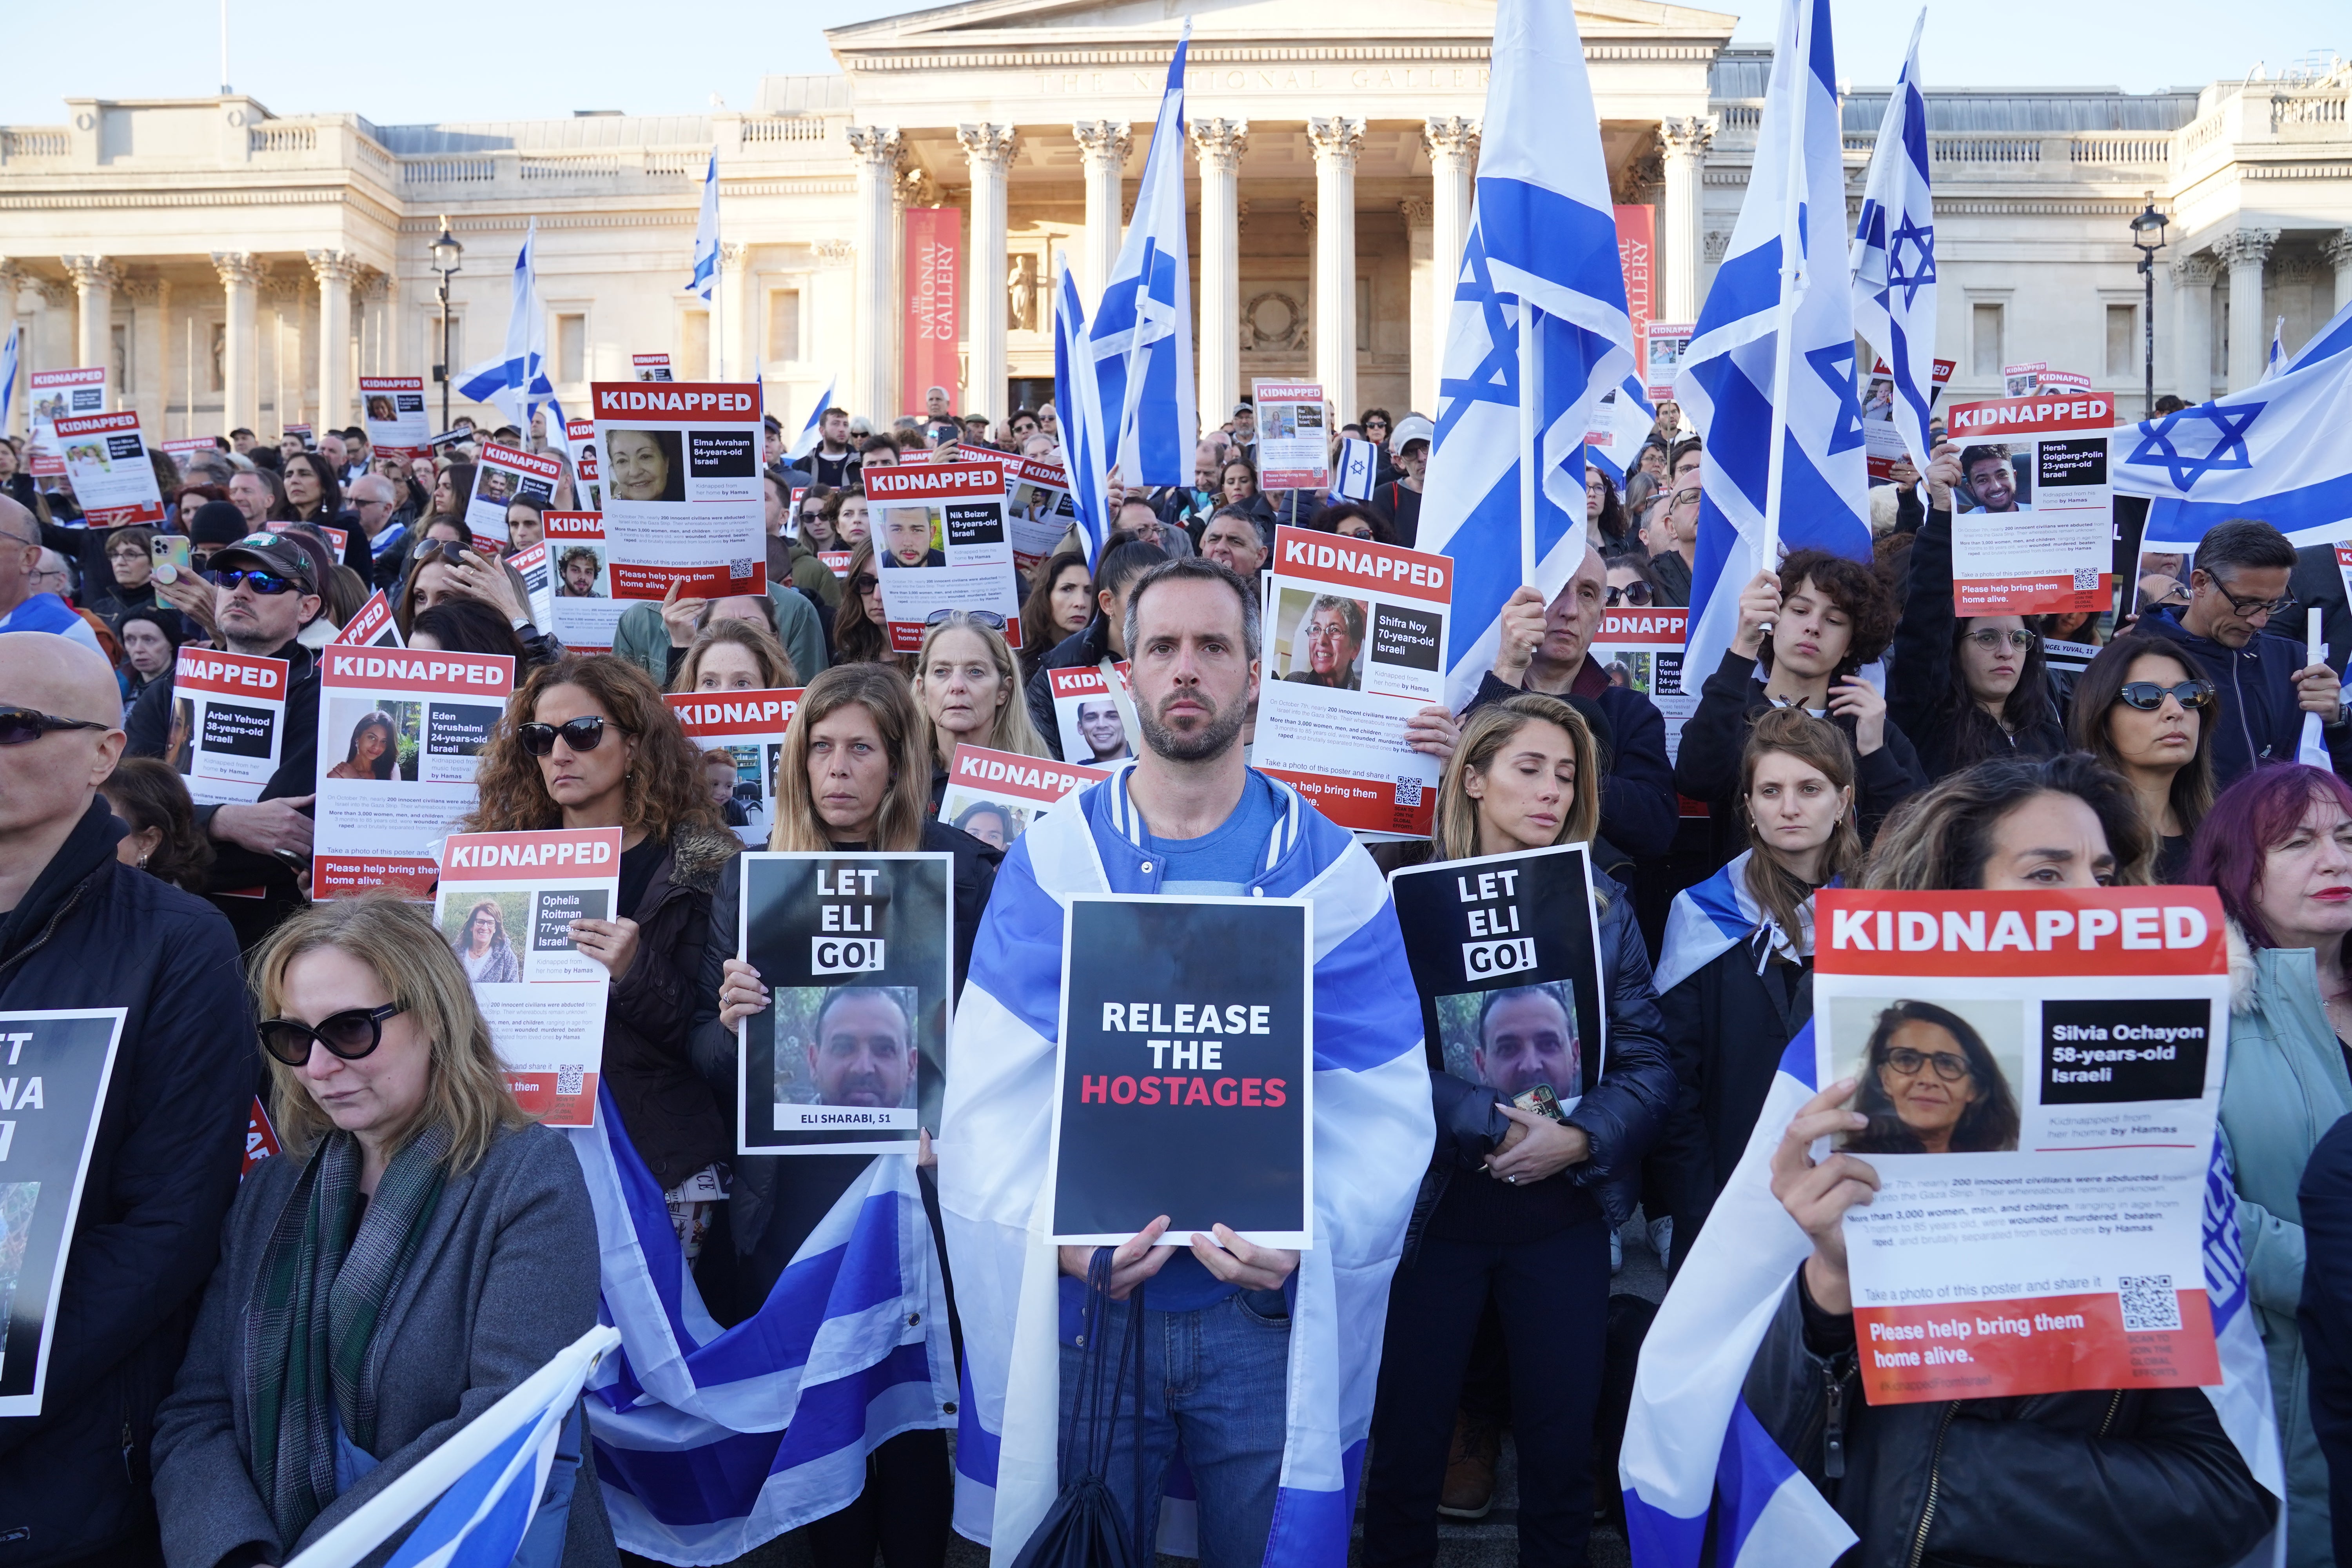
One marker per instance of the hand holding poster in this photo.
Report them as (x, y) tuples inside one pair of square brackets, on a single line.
[(60, 395), (941, 545), (106, 461), (747, 728), (2042, 1072), (2033, 516), (392, 409), (228, 723), (995, 795), (1294, 445), (1037, 507), (1354, 647), (1184, 1081), (503, 475), (399, 734), (506, 906), (680, 466), (58, 1066), (580, 609), (849, 1056)]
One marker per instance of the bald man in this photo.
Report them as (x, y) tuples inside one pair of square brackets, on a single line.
[(81, 930), (27, 604)]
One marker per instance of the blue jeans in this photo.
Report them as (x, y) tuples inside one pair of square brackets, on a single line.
[(1216, 1382)]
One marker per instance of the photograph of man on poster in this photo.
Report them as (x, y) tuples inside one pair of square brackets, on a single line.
[(1525, 1035), (579, 570), (1105, 734), (1993, 481), (860, 1049)]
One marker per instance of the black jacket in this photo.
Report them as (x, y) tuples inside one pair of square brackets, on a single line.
[(1919, 667), (237, 869), (2325, 1318), (1622, 1114), (91, 932), (1082, 649), (671, 1115), (1399, 508), (1707, 767), (2143, 1479), (2256, 719), (1639, 812)]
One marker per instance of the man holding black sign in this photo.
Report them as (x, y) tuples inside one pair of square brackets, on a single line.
[(1272, 1424)]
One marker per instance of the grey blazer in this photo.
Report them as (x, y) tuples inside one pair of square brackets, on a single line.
[(505, 1277)]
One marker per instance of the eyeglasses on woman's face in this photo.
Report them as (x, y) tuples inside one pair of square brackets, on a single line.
[(1950, 1067), (1996, 639)]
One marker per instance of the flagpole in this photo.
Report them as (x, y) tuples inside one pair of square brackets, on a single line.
[(1528, 357), (1793, 284)]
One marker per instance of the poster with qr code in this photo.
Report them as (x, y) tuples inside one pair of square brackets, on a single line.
[(2040, 1075), (509, 906), (2033, 514), (1354, 646)]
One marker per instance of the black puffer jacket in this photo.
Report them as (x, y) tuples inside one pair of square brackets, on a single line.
[(1920, 673), (673, 1117), (1622, 1114), (2101, 1479), (1082, 649)]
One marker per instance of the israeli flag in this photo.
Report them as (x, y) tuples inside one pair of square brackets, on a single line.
[(1351, 476), (9, 350), (1690, 1436), (1720, 913), (1621, 425), (517, 381), (488, 1477), (1539, 335), (2278, 450), (1769, 373), (813, 431), (706, 235), (1140, 342), (711, 1441), (2277, 361), (1893, 256), (1077, 398)]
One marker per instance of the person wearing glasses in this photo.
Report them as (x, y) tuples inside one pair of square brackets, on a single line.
[(488, 958), (1964, 688), (265, 591), (2141, 708), (29, 601), (2237, 589), (419, 1250), (1930, 1085), (85, 928)]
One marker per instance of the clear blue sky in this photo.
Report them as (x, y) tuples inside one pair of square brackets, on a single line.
[(510, 61)]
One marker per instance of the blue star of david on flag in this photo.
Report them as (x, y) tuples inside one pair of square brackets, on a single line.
[(1834, 366), (2227, 452), (1893, 261), (1921, 270)]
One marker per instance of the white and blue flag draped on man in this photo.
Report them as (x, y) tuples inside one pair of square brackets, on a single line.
[(2279, 450), (517, 381), (1078, 402), (1139, 343), (1778, 315), (1542, 250), (709, 1441), (1893, 257), (1372, 1140), (1691, 1446)]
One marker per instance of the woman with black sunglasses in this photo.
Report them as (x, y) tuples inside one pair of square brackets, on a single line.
[(588, 743), (2143, 710), (419, 1250), (860, 635)]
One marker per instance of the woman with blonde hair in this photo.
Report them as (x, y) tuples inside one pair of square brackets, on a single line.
[(734, 655), (418, 1251), (970, 688), (588, 743), (1517, 1208)]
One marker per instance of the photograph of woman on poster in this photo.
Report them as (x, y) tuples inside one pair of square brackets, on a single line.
[(374, 751), (646, 465), (1930, 1085), (481, 945)]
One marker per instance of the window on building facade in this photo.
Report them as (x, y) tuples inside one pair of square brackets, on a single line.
[(783, 323), (570, 349), (1984, 340), (2123, 340)]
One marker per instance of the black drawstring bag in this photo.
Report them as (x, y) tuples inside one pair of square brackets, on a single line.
[(1086, 1528)]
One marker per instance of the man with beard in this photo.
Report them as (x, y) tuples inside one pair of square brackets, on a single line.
[(578, 569), (864, 1052)]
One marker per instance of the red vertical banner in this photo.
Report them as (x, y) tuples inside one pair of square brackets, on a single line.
[(1637, 252), (934, 304)]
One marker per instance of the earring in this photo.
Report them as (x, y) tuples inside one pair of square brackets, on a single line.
[(142, 862)]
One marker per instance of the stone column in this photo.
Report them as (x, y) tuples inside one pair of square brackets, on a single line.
[(241, 274), (376, 294), (2245, 252), (873, 373), (2192, 327), (988, 153), (732, 358), (12, 279), (95, 279), (336, 272), (2337, 251), (1337, 140), (150, 392), (1219, 145), (1685, 142), (1430, 311), (1453, 143), (1103, 147)]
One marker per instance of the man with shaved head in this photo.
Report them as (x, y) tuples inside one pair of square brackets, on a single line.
[(81, 930), (27, 601)]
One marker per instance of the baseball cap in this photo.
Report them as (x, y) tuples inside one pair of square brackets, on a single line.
[(1411, 428), (1242, 408), (271, 552)]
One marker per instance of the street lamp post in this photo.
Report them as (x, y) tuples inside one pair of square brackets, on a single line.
[(446, 253), (2147, 237)]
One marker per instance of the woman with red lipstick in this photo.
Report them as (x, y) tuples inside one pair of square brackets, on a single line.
[(2141, 708), (2277, 847), (1813, 625)]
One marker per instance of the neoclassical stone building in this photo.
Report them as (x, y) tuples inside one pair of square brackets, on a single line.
[(236, 267)]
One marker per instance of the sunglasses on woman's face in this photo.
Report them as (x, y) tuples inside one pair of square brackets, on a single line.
[(583, 734), (864, 583), (349, 1035), (1634, 594), (2147, 696)]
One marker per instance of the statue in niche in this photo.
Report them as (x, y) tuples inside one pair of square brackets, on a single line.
[(1021, 294)]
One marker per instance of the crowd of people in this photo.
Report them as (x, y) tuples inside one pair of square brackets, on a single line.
[(237, 1367)]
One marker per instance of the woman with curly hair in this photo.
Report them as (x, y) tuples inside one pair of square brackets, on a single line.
[(588, 743)]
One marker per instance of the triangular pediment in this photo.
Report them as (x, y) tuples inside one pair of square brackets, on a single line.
[(1000, 24)]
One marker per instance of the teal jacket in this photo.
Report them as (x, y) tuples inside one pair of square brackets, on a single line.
[(2284, 1088), (643, 641)]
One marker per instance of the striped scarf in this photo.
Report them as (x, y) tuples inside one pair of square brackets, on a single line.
[(316, 1302)]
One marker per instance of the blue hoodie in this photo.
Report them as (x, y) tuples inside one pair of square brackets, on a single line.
[(2256, 719)]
